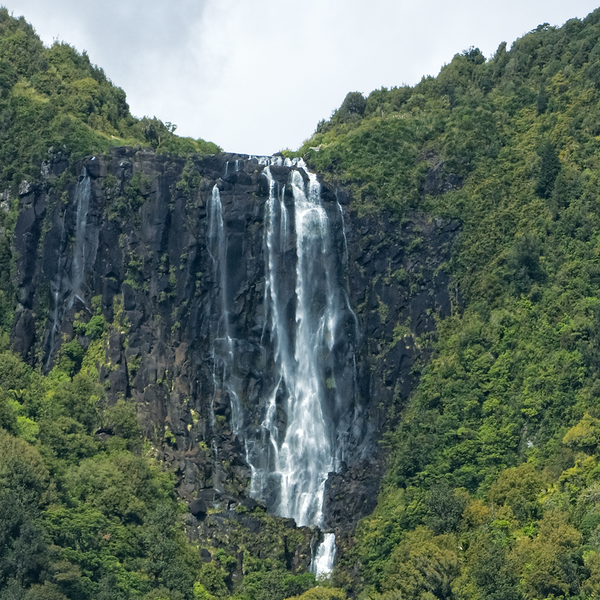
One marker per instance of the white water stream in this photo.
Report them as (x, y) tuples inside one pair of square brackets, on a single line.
[(291, 461), (305, 456), (306, 452), (83, 192), (223, 348), (60, 283)]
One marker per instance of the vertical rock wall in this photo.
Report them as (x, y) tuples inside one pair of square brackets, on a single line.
[(142, 260)]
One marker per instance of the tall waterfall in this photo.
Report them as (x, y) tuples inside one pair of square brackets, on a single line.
[(303, 455), (63, 284), (306, 455), (83, 192), (306, 314), (222, 342)]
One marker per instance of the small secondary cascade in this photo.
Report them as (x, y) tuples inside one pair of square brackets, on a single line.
[(59, 286), (325, 555), (306, 314), (83, 192), (223, 348)]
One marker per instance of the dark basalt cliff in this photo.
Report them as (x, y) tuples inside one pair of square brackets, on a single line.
[(128, 240)]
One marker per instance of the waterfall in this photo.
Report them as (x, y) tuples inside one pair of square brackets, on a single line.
[(223, 345), (307, 313), (56, 286), (60, 283), (83, 193), (301, 457), (306, 455), (325, 555)]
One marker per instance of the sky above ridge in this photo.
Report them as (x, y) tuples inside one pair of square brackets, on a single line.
[(256, 76)]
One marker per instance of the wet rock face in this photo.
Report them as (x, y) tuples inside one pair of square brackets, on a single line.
[(140, 253), (253, 532), (349, 495), (397, 286)]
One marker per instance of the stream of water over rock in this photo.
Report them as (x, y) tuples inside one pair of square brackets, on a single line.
[(62, 283), (83, 193), (290, 460)]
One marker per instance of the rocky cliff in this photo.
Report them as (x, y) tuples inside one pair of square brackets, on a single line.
[(126, 241)]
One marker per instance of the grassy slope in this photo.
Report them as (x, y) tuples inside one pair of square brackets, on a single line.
[(55, 98)]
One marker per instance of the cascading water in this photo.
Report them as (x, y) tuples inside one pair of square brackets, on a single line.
[(223, 345), (290, 460), (55, 289), (325, 555), (306, 455), (83, 192), (60, 283), (309, 449)]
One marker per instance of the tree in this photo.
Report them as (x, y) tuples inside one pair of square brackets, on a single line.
[(518, 488), (548, 170), (423, 564), (23, 552), (352, 109), (22, 471)]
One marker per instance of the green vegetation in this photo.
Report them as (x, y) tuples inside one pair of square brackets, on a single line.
[(493, 468), (79, 517), (54, 100), (86, 512), (493, 482)]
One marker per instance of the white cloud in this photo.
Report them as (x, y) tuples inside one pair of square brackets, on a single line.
[(257, 76)]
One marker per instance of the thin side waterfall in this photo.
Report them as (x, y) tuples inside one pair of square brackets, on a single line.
[(223, 345), (83, 192), (276, 241), (59, 286), (56, 286)]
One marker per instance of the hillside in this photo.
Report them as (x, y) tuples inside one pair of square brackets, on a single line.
[(146, 294), (493, 466)]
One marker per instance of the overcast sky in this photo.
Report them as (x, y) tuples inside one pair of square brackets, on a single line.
[(256, 76)]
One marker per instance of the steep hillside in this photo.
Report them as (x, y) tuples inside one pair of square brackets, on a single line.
[(493, 466), (55, 104), (149, 290)]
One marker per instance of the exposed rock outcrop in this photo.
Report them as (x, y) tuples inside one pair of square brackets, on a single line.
[(128, 239)]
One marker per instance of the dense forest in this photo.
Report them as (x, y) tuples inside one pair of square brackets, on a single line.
[(492, 485), (493, 466)]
